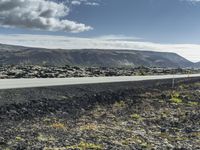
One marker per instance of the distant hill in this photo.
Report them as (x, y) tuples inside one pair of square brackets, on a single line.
[(197, 65), (89, 57)]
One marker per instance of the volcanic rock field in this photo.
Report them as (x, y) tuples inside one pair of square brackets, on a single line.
[(118, 116)]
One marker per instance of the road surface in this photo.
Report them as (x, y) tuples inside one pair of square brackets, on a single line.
[(29, 83)]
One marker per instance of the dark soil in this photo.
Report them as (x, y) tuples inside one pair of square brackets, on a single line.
[(122, 116)]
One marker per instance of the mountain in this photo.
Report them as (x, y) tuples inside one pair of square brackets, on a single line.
[(197, 65), (89, 57)]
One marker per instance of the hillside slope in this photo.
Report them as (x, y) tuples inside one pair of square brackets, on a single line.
[(89, 57), (197, 65)]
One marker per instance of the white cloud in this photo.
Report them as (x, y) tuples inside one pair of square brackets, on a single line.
[(38, 14), (193, 0), (85, 2), (76, 2), (189, 51), (92, 3)]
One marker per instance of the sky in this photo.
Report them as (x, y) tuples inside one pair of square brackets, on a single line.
[(155, 25)]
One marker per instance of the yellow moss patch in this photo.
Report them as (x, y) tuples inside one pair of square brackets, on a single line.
[(173, 138), (98, 111), (45, 138), (58, 125), (135, 116), (193, 103), (86, 146), (89, 127), (54, 148), (18, 138), (176, 100), (136, 140), (196, 134), (175, 94), (120, 104)]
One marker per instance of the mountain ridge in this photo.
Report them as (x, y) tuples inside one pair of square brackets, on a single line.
[(10, 54), (197, 64)]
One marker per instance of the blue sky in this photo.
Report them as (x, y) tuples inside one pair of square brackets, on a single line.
[(159, 25), (168, 21)]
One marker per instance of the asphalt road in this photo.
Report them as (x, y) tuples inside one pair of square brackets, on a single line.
[(36, 82)]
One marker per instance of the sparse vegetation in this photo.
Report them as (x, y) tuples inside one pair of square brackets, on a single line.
[(58, 125), (88, 127), (85, 146), (135, 116), (175, 98), (152, 118), (193, 103)]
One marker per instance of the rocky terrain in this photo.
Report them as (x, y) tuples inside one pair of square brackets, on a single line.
[(139, 115), (17, 55), (36, 71)]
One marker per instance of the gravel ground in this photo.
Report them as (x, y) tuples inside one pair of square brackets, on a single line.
[(141, 117)]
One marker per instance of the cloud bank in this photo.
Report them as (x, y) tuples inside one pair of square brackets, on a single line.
[(38, 14), (189, 51), (193, 0)]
